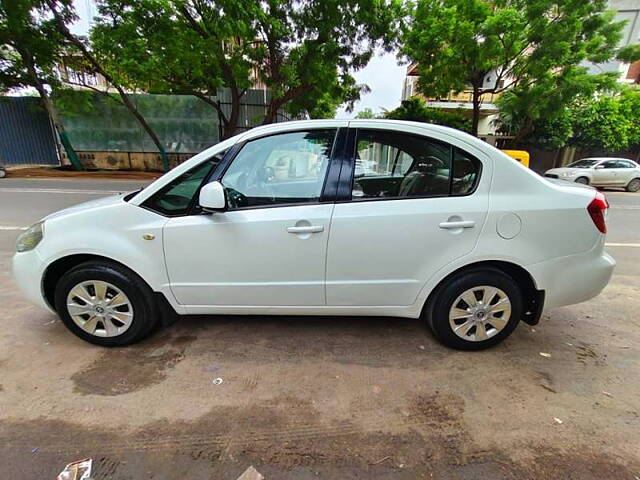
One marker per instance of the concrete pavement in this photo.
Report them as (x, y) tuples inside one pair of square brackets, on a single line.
[(320, 397)]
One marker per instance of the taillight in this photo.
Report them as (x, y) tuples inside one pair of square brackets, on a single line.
[(596, 210)]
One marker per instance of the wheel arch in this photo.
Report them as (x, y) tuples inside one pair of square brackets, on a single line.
[(533, 299), (56, 269)]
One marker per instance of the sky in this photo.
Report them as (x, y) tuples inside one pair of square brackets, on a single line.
[(384, 77)]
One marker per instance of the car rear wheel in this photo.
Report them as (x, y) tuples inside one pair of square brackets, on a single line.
[(475, 309), (582, 180), (633, 185), (105, 304)]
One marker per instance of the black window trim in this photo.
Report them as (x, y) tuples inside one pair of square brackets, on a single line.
[(347, 176), (190, 208)]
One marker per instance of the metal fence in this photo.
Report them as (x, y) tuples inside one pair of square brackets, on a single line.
[(183, 123), (26, 134), (98, 123)]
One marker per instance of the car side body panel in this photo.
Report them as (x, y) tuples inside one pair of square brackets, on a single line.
[(519, 218)]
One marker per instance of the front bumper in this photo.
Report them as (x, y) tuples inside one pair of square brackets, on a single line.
[(28, 271), (574, 278)]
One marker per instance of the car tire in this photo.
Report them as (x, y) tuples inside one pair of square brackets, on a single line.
[(582, 180), (487, 322), (633, 185), (92, 314)]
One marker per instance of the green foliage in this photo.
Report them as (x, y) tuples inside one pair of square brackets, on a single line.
[(367, 113), (460, 44), (415, 109), (303, 51), (312, 47), (29, 45), (610, 123), (540, 113)]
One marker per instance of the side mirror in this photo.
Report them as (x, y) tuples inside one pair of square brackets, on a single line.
[(213, 198), (598, 167)]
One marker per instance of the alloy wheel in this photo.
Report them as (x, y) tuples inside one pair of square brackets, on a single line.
[(480, 313), (100, 308)]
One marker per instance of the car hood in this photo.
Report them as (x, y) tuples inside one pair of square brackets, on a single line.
[(91, 204)]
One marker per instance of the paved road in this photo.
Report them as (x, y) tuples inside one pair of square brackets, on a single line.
[(320, 397)]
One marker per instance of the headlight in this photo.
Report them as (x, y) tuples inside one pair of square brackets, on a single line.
[(30, 239)]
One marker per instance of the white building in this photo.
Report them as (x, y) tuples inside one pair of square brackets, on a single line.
[(629, 11)]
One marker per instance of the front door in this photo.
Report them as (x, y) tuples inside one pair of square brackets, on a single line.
[(269, 248), (415, 206)]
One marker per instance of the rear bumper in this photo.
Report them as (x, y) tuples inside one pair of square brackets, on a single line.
[(574, 278)]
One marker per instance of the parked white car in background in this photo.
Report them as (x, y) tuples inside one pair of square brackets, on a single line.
[(278, 220), (601, 172)]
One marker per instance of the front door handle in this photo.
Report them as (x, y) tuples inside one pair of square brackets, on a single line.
[(458, 224), (306, 229)]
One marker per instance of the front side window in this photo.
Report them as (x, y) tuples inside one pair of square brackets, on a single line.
[(176, 198), (392, 164), (287, 168), (610, 164)]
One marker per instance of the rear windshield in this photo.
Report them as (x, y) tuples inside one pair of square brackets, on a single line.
[(586, 163)]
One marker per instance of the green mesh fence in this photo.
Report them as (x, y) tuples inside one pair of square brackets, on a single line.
[(183, 123)]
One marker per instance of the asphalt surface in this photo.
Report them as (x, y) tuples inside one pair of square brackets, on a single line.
[(320, 397)]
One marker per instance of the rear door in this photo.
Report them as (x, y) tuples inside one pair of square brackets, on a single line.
[(419, 204), (626, 172), (606, 173)]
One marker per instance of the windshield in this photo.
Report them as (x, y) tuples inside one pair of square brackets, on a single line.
[(586, 163)]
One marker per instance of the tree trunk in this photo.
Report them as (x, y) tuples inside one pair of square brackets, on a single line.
[(50, 109), (126, 101), (475, 119), (272, 112), (229, 129)]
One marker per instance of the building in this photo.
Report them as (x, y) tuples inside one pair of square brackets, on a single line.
[(629, 11), (461, 101)]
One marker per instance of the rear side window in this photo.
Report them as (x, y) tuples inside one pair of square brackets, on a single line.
[(625, 164), (391, 164)]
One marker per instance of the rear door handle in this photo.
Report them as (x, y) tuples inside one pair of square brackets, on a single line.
[(458, 224), (309, 229)]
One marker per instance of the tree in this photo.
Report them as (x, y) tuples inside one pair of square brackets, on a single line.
[(540, 113), (311, 47), (609, 123), (63, 13), (303, 51), (31, 48), (180, 47), (491, 46), (416, 110), (366, 114)]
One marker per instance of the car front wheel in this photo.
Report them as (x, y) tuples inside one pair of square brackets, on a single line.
[(476, 309), (582, 180), (105, 304)]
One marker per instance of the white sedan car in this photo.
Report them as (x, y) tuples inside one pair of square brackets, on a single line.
[(601, 172), (278, 220)]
